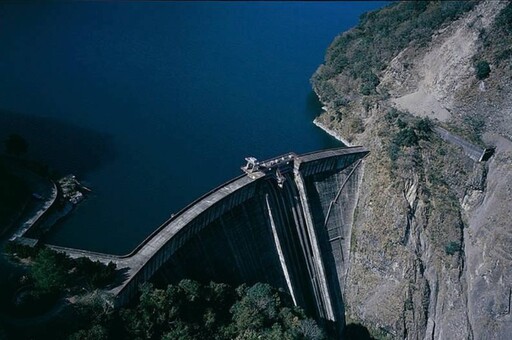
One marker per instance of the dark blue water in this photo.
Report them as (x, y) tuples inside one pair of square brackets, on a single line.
[(179, 94)]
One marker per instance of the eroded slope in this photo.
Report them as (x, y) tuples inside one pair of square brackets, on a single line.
[(430, 248)]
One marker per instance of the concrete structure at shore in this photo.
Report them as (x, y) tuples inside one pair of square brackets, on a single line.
[(287, 221)]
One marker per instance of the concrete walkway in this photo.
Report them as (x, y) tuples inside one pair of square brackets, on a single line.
[(476, 153), (36, 208)]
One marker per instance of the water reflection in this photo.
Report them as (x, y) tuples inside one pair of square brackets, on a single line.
[(64, 147)]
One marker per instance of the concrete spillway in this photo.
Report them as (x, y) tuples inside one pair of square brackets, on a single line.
[(286, 222)]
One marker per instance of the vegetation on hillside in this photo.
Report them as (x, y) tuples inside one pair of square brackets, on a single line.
[(414, 181), (496, 47), (407, 135), (53, 271), (187, 310), (52, 275), (190, 310), (363, 52), (415, 150), (482, 69)]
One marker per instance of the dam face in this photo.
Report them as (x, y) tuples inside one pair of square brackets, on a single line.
[(286, 222)]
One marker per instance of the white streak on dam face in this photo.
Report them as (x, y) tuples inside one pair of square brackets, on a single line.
[(280, 252), (318, 264)]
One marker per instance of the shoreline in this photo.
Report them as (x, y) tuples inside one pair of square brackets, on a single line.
[(66, 193), (331, 132)]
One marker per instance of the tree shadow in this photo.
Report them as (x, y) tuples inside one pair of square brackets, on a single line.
[(62, 146), (122, 274), (356, 331), (313, 105)]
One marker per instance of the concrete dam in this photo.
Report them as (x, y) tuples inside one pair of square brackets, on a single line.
[(287, 222)]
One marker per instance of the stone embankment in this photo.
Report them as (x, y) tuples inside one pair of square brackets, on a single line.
[(58, 201)]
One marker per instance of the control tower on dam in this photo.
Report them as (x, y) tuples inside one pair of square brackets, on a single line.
[(287, 221)]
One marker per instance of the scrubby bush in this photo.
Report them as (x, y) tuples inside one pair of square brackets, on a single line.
[(52, 271), (452, 248), (369, 83), (401, 124), (95, 273), (475, 125), (356, 125), (393, 152), (339, 102), (406, 137), (482, 69), (96, 332), (424, 128), (504, 55), (392, 115), (49, 272), (504, 19), (21, 250)]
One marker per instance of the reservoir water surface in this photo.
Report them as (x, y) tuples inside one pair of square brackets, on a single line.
[(153, 104)]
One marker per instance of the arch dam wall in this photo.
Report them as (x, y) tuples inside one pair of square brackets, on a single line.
[(286, 222)]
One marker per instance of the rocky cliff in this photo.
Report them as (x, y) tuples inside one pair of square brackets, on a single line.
[(431, 245)]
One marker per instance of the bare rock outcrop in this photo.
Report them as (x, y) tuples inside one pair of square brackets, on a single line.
[(488, 249), (431, 249), (437, 72)]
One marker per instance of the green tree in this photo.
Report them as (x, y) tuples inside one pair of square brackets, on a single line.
[(49, 272), (452, 248), (15, 145), (191, 290), (155, 311), (179, 331), (96, 332), (482, 69), (406, 137), (424, 127), (504, 19), (190, 310), (369, 83), (95, 273), (309, 329), (264, 313), (257, 308)]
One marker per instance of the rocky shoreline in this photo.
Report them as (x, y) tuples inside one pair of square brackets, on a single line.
[(330, 132)]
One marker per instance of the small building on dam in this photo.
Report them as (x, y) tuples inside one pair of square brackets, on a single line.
[(286, 221)]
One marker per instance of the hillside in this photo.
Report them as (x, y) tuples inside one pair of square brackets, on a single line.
[(431, 239)]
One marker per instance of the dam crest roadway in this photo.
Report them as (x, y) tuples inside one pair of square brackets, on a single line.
[(286, 221)]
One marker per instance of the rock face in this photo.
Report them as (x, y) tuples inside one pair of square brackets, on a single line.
[(488, 249), (437, 73), (431, 245)]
